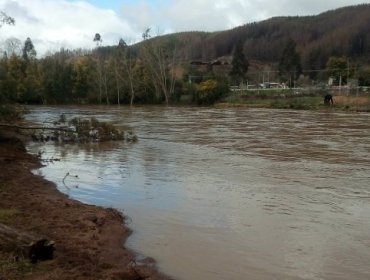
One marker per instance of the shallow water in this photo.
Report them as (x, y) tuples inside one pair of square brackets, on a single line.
[(230, 193)]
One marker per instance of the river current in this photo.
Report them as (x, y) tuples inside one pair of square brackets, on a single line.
[(229, 193)]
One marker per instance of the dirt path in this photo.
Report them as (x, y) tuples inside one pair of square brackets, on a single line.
[(89, 239)]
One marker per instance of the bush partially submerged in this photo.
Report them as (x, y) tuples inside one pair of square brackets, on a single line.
[(10, 113), (83, 131)]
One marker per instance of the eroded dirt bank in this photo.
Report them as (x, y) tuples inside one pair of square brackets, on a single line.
[(88, 239)]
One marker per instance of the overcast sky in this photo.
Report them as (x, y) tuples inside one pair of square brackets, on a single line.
[(52, 24)]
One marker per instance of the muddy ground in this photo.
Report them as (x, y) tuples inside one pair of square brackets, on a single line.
[(88, 239)]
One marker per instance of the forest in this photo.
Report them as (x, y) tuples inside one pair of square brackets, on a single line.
[(192, 67)]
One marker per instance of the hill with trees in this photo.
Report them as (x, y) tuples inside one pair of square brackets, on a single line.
[(341, 32)]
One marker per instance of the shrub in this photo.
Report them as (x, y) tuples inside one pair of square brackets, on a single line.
[(208, 92)]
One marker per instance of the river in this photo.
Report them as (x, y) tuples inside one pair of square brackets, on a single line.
[(229, 193)]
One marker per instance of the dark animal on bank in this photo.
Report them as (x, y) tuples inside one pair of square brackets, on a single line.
[(328, 99)]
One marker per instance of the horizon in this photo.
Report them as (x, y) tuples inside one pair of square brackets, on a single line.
[(55, 27)]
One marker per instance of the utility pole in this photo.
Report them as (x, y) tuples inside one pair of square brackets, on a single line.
[(347, 76)]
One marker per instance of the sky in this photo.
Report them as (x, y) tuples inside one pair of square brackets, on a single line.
[(72, 24)]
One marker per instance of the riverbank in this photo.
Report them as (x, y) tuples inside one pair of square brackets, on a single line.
[(296, 102), (88, 239)]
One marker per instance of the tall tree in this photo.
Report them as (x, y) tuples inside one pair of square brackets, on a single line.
[(28, 50), (80, 74), (102, 74), (290, 63), (239, 64), (97, 39), (14, 82), (161, 63), (338, 68), (125, 59)]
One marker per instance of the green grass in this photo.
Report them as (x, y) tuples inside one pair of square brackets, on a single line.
[(297, 103), (284, 102)]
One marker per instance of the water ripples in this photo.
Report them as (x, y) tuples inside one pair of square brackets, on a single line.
[(277, 194)]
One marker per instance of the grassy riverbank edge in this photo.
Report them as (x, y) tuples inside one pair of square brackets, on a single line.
[(315, 102)]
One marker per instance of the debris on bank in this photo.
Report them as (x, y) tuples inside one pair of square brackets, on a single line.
[(80, 130)]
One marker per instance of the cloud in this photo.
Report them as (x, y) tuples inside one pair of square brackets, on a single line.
[(59, 23), (213, 15)]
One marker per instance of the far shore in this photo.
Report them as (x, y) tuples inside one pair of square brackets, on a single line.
[(296, 102)]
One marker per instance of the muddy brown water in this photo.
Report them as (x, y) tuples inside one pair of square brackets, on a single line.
[(229, 193)]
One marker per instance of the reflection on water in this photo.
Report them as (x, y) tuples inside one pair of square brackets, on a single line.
[(230, 193)]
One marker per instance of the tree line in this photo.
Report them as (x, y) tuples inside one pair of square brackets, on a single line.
[(140, 74), (123, 74)]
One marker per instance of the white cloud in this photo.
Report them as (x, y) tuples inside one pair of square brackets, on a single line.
[(59, 23), (52, 24), (212, 15)]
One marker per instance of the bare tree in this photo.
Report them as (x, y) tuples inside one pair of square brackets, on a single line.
[(13, 46), (161, 63), (102, 73), (126, 61)]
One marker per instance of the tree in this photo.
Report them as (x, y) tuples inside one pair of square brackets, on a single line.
[(363, 76), (290, 63), (56, 77), (15, 76), (32, 84), (28, 50), (314, 62), (102, 75), (144, 90), (80, 74), (161, 63), (97, 39), (13, 46), (338, 69), (239, 64), (125, 62), (5, 19)]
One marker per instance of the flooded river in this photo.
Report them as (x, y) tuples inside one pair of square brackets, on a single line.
[(229, 193)]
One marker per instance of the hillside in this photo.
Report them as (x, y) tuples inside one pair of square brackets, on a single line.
[(341, 32)]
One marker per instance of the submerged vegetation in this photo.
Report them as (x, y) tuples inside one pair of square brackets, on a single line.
[(79, 130)]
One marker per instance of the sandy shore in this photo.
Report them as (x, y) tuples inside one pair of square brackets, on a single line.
[(88, 239)]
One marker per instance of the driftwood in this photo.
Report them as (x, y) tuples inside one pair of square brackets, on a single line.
[(25, 244)]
